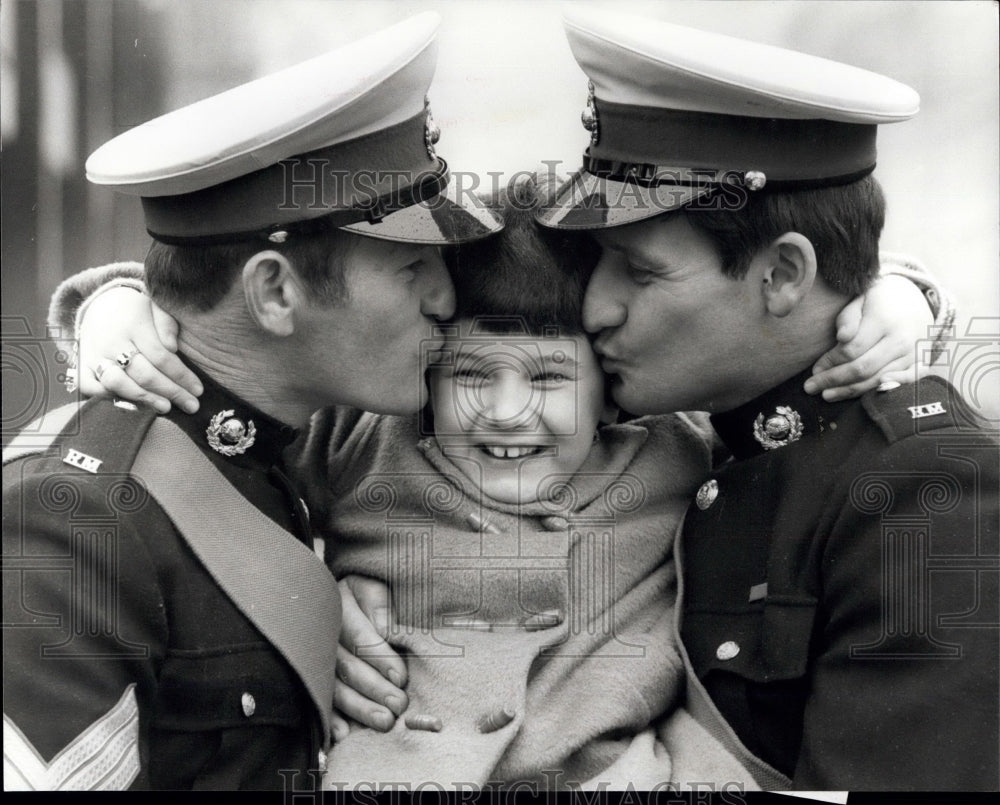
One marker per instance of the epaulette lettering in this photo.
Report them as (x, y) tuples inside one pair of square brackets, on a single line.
[(77, 459), (929, 409), (929, 406)]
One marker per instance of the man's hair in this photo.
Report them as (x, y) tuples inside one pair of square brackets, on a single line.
[(842, 222), (525, 278), (198, 277)]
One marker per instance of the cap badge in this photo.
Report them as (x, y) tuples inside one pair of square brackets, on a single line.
[(432, 133), (228, 435), (754, 180), (589, 116), (779, 429)]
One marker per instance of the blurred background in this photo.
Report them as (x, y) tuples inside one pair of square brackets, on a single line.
[(507, 96)]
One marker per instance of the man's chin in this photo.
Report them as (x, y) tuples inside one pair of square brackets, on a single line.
[(639, 402), (625, 398), (400, 405)]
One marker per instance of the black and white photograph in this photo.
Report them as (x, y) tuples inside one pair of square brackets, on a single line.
[(501, 398)]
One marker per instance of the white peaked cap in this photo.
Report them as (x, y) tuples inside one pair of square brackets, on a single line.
[(340, 140), (675, 112)]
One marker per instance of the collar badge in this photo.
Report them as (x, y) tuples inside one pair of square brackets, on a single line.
[(779, 429), (228, 435)]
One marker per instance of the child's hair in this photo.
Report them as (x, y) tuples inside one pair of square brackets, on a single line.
[(526, 278)]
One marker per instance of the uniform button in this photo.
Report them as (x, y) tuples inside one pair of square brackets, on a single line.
[(707, 494), (249, 704), (727, 650)]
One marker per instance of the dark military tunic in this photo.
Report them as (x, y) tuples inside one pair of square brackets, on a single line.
[(840, 601), (132, 657)]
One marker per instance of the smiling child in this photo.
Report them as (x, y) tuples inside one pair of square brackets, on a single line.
[(526, 538)]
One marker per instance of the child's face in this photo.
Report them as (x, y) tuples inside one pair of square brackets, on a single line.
[(516, 412)]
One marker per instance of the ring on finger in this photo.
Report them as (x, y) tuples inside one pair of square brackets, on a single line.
[(123, 359)]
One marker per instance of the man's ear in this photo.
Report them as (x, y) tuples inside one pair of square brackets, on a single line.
[(272, 292), (789, 273)]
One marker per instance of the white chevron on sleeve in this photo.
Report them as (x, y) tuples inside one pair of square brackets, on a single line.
[(104, 757)]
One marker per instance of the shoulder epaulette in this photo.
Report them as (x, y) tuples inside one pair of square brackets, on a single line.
[(928, 406), (98, 435)]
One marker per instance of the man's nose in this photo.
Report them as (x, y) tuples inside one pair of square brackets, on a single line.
[(603, 304), (438, 298)]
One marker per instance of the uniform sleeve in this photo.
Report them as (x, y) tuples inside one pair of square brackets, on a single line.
[(904, 689), (73, 294), (84, 629)]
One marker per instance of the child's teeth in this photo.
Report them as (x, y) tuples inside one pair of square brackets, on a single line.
[(498, 451)]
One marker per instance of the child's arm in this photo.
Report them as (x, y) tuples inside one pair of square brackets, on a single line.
[(879, 333), (118, 317)]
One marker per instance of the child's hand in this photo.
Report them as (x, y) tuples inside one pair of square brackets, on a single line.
[(118, 322), (877, 337), (370, 675)]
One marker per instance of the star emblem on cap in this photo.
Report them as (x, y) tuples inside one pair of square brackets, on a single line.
[(779, 429), (229, 435), (432, 132), (589, 116)]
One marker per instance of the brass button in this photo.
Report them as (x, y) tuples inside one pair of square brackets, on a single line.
[(249, 704), (707, 494), (727, 650)]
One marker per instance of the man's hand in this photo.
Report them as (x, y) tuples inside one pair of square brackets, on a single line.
[(370, 675)]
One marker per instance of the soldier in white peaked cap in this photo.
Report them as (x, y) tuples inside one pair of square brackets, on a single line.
[(343, 140), (729, 185), (170, 626)]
